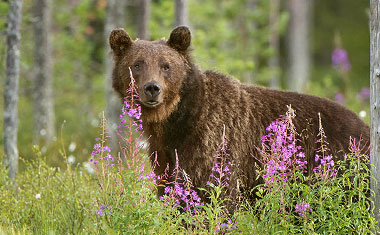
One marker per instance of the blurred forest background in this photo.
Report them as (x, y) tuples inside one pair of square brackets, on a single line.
[(318, 47)]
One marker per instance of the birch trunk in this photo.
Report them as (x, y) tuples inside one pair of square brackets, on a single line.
[(181, 13), (250, 76), (143, 19), (44, 129), (375, 100), (11, 88), (298, 44), (273, 61), (115, 18)]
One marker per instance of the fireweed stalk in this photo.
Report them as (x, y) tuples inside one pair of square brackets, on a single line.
[(130, 124), (180, 192), (133, 144), (282, 157), (325, 170), (281, 154), (219, 180), (111, 172), (220, 172), (339, 59), (101, 155), (102, 160), (303, 208)]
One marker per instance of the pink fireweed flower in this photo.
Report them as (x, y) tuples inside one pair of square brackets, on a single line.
[(130, 122), (325, 169), (220, 172), (358, 149), (101, 153), (131, 109), (364, 94), (102, 210), (339, 97), (149, 176), (130, 128), (180, 192), (219, 177), (303, 208), (227, 227), (281, 153), (339, 59)]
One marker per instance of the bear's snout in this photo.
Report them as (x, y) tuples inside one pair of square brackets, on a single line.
[(152, 90)]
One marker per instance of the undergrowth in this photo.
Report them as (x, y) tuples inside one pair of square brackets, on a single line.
[(116, 194)]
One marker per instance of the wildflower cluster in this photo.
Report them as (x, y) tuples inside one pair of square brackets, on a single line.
[(227, 227), (359, 150), (220, 172), (339, 59), (116, 181), (102, 210), (180, 192), (219, 179), (147, 176), (150, 175), (339, 97), (303, 208), (131, 109), (101, 152), (281, 154), (364, 94), (325, 169), (130, 123)]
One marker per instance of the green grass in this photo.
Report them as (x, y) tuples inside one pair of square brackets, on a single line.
[(119, 200)]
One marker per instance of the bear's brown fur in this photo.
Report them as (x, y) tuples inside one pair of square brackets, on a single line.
[(186, 109)]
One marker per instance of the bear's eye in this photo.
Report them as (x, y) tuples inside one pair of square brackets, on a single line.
[(136, 66), (166, 67)]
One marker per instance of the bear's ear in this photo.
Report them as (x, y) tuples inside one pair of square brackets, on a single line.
[(119, 41), (180, 39)]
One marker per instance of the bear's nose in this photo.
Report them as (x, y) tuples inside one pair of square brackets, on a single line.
[(152, 89)]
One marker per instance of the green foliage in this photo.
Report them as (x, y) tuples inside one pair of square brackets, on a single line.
[(339, 205), (120, 197), (332, 18), (68, 201), (46, 199), (334, 27), (3, 11), (239, 44), (79, 95)]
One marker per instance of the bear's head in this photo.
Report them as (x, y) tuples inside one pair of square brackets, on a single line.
[(158, 67)]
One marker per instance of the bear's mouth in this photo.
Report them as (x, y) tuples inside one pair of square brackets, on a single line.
[(151, 103)]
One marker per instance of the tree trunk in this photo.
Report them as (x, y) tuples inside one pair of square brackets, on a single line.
[(11, 88), (86, 78), (143, 19), (249, 76), (375, 100), (274, 42), (74, 21), (298, 44), (44, 128), (181, 13), (115, 18)]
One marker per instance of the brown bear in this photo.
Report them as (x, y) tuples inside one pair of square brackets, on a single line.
[(186, 109)]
